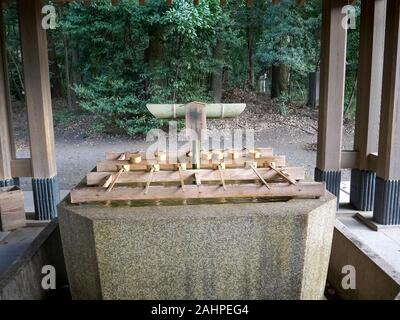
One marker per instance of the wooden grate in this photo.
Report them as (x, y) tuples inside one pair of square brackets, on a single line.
[(224, 174)]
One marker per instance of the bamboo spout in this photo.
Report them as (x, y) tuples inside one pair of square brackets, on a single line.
[(213, 110)]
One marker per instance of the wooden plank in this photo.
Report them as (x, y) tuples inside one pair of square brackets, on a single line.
[(388, 167), (195, 119), (37, 88), (21, 168), (113, 155), (372, 162), (5, 138), (277, 190), (333, 63), (12, 212), (96, 178), (350, 159), (112, 165), (370, 71)]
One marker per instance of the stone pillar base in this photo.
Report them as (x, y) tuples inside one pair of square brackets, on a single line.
[(7, 182), (46, 196), (387, 202), (17, 182), (332, 179), (362, 190)]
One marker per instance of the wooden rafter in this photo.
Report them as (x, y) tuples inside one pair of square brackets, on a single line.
[(249, 3)]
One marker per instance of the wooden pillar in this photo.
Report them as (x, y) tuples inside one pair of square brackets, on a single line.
[(369, 93), (38, 101), (5, 138), (387, 195), (333, 65)]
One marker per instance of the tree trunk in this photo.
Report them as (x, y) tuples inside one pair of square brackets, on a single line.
[(216, 78), (75, 75), (67, 73), (250, 52), (279, 81), (155, 52), (56, 88)]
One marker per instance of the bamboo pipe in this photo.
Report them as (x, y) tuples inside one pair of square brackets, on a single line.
[(213, 110)]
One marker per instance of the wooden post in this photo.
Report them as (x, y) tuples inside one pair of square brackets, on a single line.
[(196, 123), (369, 92), (38, 101), (333, 63), (387, 195), (5, 138)]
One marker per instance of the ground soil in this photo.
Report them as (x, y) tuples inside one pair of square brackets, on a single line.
[(78, 148)]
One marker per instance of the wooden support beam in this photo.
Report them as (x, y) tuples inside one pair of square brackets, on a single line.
[(333, 62), (113, 165), (387, 192), (350, 159), (97, 178), (370, 70), (21, 168), (389, 135), (277, 190), (372, 162), (37, 88), (233, 154), (5, 138)]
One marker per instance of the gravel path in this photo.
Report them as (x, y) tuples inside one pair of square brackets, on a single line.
[(76, 158)]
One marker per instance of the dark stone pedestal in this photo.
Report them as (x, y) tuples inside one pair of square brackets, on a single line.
[(46, 196), (387, 202), (7, 182), (332, 179), (362, 190)]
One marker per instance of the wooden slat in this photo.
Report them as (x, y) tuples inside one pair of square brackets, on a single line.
[(277, 190), (37, 88), (96, 178), (112, 165)]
